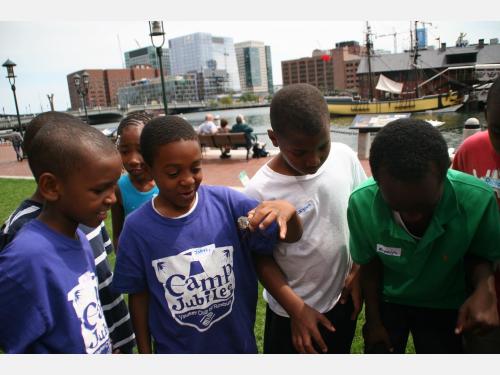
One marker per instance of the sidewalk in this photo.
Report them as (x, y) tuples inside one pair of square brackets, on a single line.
[(216, 171)]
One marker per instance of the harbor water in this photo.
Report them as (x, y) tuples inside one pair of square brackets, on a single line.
[(258, 119)]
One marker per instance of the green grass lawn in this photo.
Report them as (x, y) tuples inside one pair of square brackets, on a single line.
[(12, 192)]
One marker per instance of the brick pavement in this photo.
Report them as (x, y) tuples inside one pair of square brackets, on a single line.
[(216, 171)]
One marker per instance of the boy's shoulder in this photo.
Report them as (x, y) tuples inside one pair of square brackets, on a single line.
[(368, 188), (466, 184), (476, 140)]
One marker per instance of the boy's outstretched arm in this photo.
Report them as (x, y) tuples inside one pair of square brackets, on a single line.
[(139, 311), (479, 311), (304, 319), (374, 332), (283, 212)]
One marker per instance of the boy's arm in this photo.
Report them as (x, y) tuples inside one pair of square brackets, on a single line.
[(352, 287), (283, 213), (117, 217), (479, 311), (304, 319), (371, 279), (139, 311)]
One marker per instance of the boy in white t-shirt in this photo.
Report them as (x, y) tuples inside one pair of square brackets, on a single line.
[(303, 313)]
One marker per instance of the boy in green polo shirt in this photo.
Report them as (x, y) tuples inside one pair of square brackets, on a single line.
[(418, 230)]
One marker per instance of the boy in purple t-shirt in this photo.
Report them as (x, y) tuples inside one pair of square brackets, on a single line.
[(185, 257), (49, 301)]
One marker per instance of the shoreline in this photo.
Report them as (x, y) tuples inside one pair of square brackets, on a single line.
[(216, 171)]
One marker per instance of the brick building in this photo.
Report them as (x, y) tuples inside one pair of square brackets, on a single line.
[(330, 71), (105, 83)]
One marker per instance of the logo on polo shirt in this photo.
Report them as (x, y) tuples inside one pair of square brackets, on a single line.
[(492, 178), (85, 298), (391, 251), (199, 285)]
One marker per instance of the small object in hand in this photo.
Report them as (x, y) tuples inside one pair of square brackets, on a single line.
[(243, 222)]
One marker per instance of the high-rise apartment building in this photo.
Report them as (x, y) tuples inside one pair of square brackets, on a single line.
[(254, 66), (147, 56), (104, 85), (204, 53)]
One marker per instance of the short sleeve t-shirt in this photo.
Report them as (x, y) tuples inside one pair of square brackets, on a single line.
[(317, 265), (49, 300), (476, 156), (428, 272), (198, 271)]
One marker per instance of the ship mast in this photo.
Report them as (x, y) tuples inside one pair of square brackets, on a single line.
[(415, 60), (369, 47)]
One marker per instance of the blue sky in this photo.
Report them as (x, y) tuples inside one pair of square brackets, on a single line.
[(48, 48)]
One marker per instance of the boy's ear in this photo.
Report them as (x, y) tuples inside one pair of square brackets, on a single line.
[(272, 137), (49, 187)]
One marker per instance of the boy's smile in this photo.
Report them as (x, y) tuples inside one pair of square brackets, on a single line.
[(177, 172)]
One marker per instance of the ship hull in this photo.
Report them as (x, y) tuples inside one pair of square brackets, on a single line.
[(449, 101)]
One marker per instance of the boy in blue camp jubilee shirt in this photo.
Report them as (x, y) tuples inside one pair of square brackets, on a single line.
[(49, 301), (184, 260)]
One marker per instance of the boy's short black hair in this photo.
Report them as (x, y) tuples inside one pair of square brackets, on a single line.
[(299, 108), (61, 148), (406, 148), (41, 120), (135, 118), (162, 130)]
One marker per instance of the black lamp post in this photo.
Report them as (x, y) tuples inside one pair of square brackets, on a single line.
[(82, 90), (12, 80), (156, 30)]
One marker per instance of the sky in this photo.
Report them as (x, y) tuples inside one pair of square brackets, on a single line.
[(46, 49)]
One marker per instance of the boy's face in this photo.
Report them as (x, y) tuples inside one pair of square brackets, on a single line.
[(177, 172), (302, 154), (415, 200), (86, 195), (130, 150)]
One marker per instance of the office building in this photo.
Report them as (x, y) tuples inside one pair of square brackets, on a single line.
[(254, 65), (147, 56), (202, 52)]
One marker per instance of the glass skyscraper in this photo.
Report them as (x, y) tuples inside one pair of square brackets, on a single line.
[(206, 54)]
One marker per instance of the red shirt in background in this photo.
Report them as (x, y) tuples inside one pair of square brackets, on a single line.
[(477, 157)]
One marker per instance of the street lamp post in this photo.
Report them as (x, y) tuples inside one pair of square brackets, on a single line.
[(156, 30), (82, 90), (12, 80)]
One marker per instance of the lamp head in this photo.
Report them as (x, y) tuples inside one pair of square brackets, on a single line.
[(77, 80), (157, 33), (9, 65)]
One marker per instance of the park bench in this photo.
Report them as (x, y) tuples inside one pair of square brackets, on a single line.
[(220, 140)]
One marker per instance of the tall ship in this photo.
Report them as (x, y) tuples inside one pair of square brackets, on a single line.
[(393, 98)]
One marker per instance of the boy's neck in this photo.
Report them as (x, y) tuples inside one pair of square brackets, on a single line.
[(142, 183), (279, 165), (37, 197), (58, 223)]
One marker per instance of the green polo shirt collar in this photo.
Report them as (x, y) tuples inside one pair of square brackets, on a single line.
[(445, 211)]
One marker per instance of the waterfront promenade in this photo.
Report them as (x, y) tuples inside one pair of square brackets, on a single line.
[(216, 171)]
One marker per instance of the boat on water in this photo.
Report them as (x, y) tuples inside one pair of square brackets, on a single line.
[(347, 106), (400, 101)]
